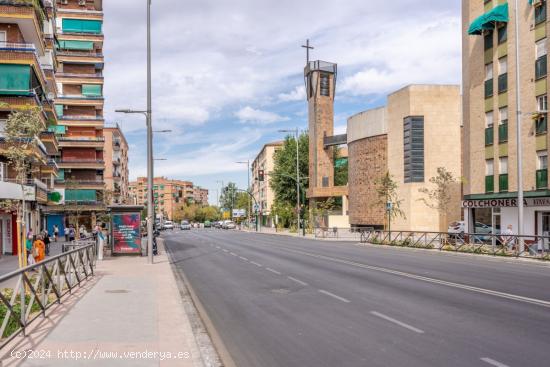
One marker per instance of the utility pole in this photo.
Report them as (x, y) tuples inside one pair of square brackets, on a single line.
[(150, 172), (518, 135)]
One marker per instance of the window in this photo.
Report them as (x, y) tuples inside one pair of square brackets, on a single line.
[(489, 167), (325, 84), (541, 120), (2, 127), (542, 103), (542, 170), (489, 119), (503, 125), (3, 171), (503, 165), (488, 40), (502, 34), (540, 12), (488, 80), (413, 136), (3, 38), (502, 75), (542, 160)]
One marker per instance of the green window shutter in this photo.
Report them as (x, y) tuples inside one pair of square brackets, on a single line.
[(542, 179), (92, 90), (15, 79), (76, 45), (57, 129), (489, 184), (503, 183), (82, 26), (59, 110), (489, 136), (61, 174), (503, 133)]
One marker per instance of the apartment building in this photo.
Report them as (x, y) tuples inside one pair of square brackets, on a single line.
[(27, 64), (200, 195), (417, 132), (490, 114), (167, 194), (262, 167), (79, 109), (116, 165)]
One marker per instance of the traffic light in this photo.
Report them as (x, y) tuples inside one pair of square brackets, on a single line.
[(261, 175)]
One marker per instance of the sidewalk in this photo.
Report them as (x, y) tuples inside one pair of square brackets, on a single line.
[(128, 306)]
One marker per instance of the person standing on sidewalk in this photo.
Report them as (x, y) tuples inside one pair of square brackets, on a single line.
[(55, 232), (66, 231), (72, 233), (39, 249), (47, 241)]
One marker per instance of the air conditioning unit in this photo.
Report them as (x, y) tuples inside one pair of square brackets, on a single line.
[(81, 2)]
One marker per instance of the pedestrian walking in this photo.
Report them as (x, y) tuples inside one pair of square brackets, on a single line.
[(66, 231), (507, 237), (39, 249), (72, 233), (47, 242), (55, 232)]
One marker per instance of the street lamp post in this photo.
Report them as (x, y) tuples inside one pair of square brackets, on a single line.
[(297, 133), (247, 162), (149, 121), (518, 136)]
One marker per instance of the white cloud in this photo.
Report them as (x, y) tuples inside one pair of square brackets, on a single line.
[(297, 94), (249, 114)]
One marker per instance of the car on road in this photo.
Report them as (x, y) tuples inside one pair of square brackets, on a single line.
[(207, 224), (168, 225), (456, 227), (228, 224), (185, 226)]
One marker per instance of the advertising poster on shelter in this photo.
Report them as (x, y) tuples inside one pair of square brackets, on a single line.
[(126, 233)]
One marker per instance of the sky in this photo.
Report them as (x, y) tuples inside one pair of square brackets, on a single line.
[(228, 74)]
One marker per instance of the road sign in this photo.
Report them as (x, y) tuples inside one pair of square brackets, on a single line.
[(256, 207), (389, 206)]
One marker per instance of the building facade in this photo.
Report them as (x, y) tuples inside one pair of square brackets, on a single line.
[(116, 165), (490, 114), (261, 190), (418, 131), (79, 108), (200, 195), (27, 65), (168, 195)]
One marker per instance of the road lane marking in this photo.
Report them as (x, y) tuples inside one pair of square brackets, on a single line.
[(298, 281), (243, 258), (429, 280), (255, 263), (224, 250), (334, 296), (233, 254), (218, 247), (273, 271), (493, 362), (397, 322)]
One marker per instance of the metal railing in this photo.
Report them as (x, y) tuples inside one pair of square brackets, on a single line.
[(477, 243), (337, 233), (42, 285)]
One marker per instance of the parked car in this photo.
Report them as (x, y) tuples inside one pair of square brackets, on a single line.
[(207, 224), (168, 224), (185, 226), (218, 224)]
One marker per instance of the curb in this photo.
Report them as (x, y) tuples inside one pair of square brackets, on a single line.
[(211, 346)]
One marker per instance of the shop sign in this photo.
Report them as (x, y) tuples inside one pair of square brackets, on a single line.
[(505, 203)]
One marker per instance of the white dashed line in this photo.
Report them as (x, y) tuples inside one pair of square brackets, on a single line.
[(218, 247), (297, 281), (243, 258), (233, 254), (493, 362), (334, 296), (397, 322), (273, 271), (224, 250), (255, 263)]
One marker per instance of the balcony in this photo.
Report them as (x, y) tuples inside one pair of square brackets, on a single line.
[(50, 141), (11, 190), (29, 18), (82, 184), (97, 164), (79, 100), (61, 75), (81, 142)]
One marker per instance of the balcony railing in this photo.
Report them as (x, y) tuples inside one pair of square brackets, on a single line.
[(68, 161), (81, 139), (79, 53), (79, 96), (80, 117), (79, 75), (20, 47)]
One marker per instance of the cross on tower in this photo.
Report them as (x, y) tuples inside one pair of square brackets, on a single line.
[(307, 47)]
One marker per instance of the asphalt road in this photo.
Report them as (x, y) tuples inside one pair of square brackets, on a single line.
[(282, 301)]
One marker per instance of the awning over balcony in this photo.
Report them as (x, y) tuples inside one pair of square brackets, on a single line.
[(488, 20), (82, 26), (76, 45), (80, 195), (91, 90), (15, 79)]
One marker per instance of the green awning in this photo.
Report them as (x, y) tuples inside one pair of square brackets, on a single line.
[(57, 129), (76, 45), (15, 80), (488, 20), (82, 26), (91, 90), (80, 195)]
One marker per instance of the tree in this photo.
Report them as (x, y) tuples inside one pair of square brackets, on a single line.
[(283, 178), (441, 194), (340, 168), (386, 192), (20, 133), (74, 206)]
